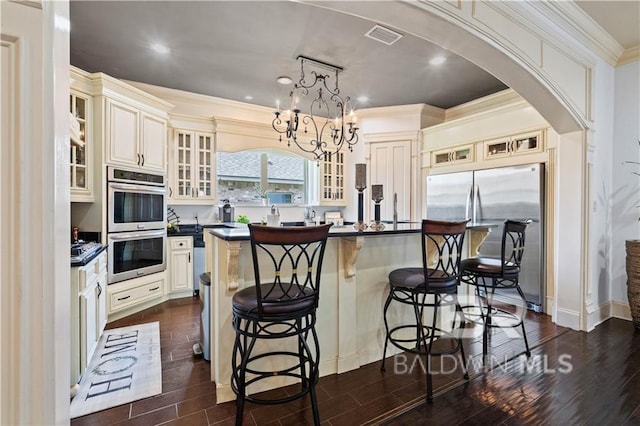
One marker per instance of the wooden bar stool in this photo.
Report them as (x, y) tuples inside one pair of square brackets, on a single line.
[(282, 304), (432, 285), (491, 275)]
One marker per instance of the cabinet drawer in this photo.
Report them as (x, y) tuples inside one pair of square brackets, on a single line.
[(180, 243), (92, 270), (132, 295)]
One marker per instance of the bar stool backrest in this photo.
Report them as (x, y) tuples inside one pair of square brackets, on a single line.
[(287, 263), (442, 249), (513, 242)]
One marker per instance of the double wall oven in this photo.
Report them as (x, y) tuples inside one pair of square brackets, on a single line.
[(136, 223)]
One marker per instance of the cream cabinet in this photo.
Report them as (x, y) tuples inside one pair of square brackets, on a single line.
[(390, 166), (88, 312), (135, 138), (332, 179), (81, 146), (526, 143), (124, 296), (457, 155), (192, 168), (180, 264)]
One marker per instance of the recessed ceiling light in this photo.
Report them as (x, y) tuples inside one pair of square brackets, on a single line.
[(283, 79), (438, 60), (160, 48), (363, 99), (248, 97)]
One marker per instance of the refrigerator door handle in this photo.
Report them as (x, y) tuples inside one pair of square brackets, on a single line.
[(476, 202), (468, 209)]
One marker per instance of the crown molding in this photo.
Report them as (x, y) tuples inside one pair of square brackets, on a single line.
[(631, 54), (582, 27), (507, 97)]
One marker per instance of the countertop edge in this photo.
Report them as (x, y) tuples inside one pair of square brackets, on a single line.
[(89, 259), (226, 231)]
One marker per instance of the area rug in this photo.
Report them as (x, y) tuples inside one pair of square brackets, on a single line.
[(125, 367)]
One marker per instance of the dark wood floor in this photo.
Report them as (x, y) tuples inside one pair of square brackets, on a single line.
[(602, 388)]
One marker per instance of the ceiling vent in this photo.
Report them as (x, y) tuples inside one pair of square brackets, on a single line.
[(383, 35)]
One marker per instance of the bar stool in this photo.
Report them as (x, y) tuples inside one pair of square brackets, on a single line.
[(438, 277), (502, 273), (282, 304)]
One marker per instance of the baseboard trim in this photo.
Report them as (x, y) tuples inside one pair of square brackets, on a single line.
[(598, 315), (567, 318), (620, 310)]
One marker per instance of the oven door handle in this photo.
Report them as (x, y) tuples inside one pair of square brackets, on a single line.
[(136, 235), (138, 188)]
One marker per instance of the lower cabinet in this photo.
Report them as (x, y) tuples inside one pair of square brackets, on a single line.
[(88, 312), (130, 293), (180, 254)]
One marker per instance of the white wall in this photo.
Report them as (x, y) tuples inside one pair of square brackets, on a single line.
[(625, 192), (599, 152)]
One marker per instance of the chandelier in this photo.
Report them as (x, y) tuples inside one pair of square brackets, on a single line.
[(329, 123)]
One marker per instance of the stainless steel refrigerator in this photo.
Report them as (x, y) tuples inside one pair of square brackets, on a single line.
[(492, 196)]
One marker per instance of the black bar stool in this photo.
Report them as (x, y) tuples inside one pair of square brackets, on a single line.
[(282, 304), (490, 275), (438, 277)]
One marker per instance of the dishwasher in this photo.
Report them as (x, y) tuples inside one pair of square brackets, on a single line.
[(198, 260)]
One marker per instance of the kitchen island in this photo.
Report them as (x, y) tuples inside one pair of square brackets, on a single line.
[(352, 293)]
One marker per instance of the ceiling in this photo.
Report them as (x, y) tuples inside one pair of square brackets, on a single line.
[(236, 50)]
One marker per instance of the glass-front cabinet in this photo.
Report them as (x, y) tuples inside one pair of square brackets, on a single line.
[(81, 147), (332, 179), (192, 168), (461, 154), (525, 143)]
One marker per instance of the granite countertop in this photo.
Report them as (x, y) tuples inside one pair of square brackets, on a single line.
[(239, 232), (88, 259)]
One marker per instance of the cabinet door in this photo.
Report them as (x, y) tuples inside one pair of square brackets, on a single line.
[(326, 179), (338, 180), (122, 136), (332, 179), (181, 270), (182, 168), (88, 324), (203, 161), (527, 143), (153, 143), (81, 174), (101, 302), (391, 167)]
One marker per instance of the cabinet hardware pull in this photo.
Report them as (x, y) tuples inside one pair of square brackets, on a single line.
[(142, 160), (170, 192), (99, 290), (124, 298), (138, 159), (181, 244), (154, 289), (189, 257)]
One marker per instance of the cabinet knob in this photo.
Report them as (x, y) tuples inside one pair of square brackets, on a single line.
[(181, 244)]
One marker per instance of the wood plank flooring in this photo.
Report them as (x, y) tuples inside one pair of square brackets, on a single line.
[(603, 387)]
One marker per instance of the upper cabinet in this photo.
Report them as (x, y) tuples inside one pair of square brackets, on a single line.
[(192, 162), (130, 124), (81, 155), (457, 155), (332, 179), (135, 138), (525, 143)]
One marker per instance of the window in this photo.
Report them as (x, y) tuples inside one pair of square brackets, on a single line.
[(242, 174)]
